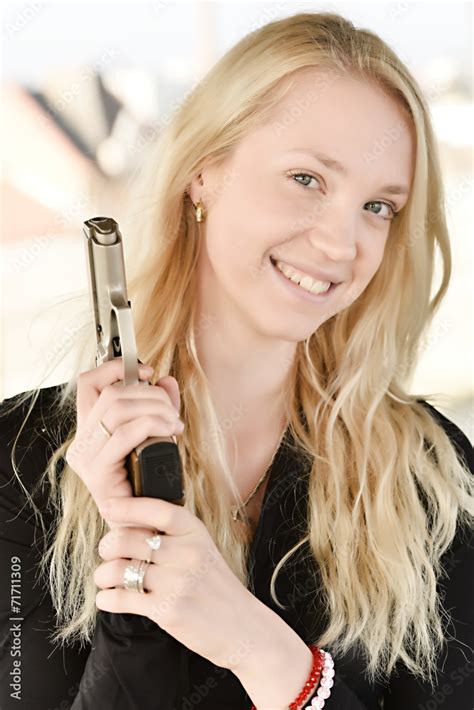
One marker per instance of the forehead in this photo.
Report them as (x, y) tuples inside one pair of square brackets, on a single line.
[(347, 118)]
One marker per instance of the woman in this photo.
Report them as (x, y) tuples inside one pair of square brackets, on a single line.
[(286, 257)]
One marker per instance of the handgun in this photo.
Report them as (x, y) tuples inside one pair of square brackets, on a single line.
[(154, 467)]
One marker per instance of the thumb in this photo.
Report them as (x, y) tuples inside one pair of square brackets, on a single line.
[(171, 387)]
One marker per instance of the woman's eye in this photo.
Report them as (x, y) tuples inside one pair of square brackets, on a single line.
[(390, 215), (304, 175)]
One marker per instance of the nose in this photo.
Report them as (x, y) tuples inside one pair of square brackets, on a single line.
[(333, 231)]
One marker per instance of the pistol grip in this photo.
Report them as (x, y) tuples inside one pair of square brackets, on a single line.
[(154, 470)]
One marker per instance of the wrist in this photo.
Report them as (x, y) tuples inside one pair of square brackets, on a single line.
[(277, 664)]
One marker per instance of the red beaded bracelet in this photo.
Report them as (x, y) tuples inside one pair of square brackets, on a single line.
[(314, 676)]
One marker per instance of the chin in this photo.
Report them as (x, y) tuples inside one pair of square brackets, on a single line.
[(289, 327)]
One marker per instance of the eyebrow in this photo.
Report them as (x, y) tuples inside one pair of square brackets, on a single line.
[(337, 166)]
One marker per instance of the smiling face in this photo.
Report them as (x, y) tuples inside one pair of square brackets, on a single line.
[(274, 198)]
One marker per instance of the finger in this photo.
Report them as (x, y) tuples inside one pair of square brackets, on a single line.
[(131, 542), (171, 386), (126, 421), (128, 436), (128, 409), (111, 574), (117, 396), (143, 511), (91, 383), (124, 601), (109, 577)]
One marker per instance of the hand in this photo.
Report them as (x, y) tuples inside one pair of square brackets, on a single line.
[(190, 591), (132, 413)]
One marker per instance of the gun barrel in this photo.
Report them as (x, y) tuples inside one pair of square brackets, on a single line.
[(108, 292)]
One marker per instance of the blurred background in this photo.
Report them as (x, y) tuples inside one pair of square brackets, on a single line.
[(86, 87)]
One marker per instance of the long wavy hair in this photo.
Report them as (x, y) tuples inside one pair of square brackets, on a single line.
[(382, 505)]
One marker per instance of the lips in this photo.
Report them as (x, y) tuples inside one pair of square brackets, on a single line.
[(301, 293)]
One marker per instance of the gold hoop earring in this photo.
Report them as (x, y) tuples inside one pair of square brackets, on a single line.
[(200, 211)]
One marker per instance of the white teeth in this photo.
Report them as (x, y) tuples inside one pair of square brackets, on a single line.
[(305, 282)]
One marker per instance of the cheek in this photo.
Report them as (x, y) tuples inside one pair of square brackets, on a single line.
[(370, 257), (234, 257), (239, 247)]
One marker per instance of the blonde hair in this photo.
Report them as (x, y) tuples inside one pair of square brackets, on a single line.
[(382, 505)]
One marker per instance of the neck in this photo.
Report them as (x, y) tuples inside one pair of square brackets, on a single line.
[(247, 375)]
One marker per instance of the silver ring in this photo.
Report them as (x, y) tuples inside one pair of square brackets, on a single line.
[(133, 576), (153, 543), (104, 429), (142, 568)]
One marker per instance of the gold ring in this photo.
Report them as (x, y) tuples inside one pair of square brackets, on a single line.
[(104, 429)]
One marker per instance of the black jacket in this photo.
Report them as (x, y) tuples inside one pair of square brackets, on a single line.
[(133, 664)]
